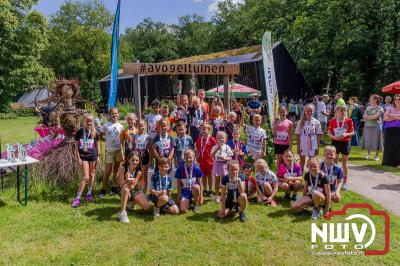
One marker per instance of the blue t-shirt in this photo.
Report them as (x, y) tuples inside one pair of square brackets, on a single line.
[(254, 104), (232, 187), (180, 145), (190, 177), (159, 183), (334, 173)]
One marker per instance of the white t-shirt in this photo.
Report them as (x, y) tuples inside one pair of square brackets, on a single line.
[(308, 136), (224, 152), (112, 132), (321, 107), (255, 139), (152, 120), (269, 177)]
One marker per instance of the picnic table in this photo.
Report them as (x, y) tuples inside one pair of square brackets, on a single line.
[(18, 164)]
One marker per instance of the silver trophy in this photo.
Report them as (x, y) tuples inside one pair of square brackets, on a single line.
[(21, 152), (10, 153)]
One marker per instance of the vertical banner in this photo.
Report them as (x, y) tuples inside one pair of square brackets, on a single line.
[(269, 74), (112, 94)]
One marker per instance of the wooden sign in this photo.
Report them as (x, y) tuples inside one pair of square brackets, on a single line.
[(181, 69)]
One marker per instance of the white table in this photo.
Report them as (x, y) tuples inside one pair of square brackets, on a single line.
[(28, 161)]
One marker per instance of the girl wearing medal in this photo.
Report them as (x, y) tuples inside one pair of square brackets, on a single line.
[(233, 195), (238, 147), (289, 176), (317, 192), (203, 148), (142, 145), (163, 144), (189, 183), (341, 130), (130, 177), (87, 147), (282, 128), (309, 133), (267, 183), (128, 135), (221, 154)]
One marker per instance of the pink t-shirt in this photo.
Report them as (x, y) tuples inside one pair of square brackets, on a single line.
[(282, 135), (295, 170)]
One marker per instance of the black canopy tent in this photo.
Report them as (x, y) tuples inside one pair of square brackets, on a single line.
[(290, 81)]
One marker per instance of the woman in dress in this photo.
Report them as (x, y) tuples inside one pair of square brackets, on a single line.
[(372, 135)]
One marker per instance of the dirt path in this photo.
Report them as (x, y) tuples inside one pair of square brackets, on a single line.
[(376, 185)]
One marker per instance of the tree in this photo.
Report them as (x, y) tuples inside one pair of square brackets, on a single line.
[(80, 44), (23, 40), (152, 41), (194, 35)]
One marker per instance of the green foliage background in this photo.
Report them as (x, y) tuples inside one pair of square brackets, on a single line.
[(355, 44)]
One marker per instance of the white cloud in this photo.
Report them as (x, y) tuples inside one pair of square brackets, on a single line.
[(213, 7)]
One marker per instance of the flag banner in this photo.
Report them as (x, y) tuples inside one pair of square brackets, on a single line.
[(269, 74), (112, 94)]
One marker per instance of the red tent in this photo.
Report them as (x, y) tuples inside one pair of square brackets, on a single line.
[(393, 88)]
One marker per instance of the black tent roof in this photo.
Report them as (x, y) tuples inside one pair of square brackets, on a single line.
[(290, 80)]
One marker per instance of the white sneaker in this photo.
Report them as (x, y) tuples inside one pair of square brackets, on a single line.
[(345, 187), (131, 206), (217, 199), (123, 217), (368, 157), (156, 212), (316, 213), (376, 158)]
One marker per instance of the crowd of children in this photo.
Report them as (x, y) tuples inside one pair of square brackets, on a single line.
[(212, 160)]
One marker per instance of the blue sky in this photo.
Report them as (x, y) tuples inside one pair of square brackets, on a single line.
[(134, 11)]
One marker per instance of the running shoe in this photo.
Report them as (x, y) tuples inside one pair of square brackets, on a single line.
[(130, 206), (89, 197), (123, 217), (345, 187), (76, 203), (102, 194), (156, 212), (316, 213), (196, 208), (287, 196), (242, 217)]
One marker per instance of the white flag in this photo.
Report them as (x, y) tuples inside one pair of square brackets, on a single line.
[(269, 74)]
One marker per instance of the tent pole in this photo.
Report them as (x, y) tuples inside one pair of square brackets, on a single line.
[(227, 101)]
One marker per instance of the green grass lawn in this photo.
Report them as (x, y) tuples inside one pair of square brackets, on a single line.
[(49, 232)]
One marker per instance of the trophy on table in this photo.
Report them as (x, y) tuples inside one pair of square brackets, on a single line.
[(21, 152), (10, 153)]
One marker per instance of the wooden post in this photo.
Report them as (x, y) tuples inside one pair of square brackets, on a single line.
[(137, 93), (227, 96)]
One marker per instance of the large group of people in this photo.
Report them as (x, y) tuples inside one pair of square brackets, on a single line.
[(208, 153)]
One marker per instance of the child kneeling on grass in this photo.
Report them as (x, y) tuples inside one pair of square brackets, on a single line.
[(233, 196), (316, 192), (333, 172), (267, 183), (87, 150), (289, 176), (130, 178), (160, 189), (189, 184)]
